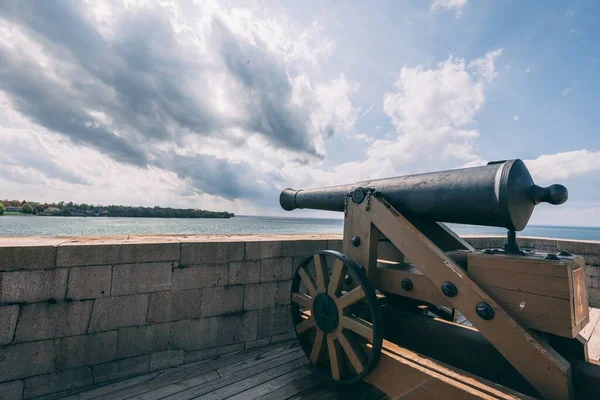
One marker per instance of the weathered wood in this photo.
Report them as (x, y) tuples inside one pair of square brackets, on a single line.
[(547, 371), (337, 278), (322, 272), (271, 385), (402, 373), (388, 278), (547, 295), (357, 223), (293, 388)]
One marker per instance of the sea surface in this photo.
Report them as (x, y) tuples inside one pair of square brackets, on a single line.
[(99, 226)]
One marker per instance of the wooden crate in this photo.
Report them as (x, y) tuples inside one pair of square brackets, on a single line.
[(544, 294)]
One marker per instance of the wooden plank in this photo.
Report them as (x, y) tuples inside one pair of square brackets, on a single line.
[(388, 280), (358, 224), (248, 383), (272, 385), (518, 264), (543, 367), (161, 378), (587, 331), (322, 272), (580, 295), (547, 314), (293, 388), (406, 374), (266, 356), (190, 388), (525, 281)]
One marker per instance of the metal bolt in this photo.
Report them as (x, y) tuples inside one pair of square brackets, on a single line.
[(355, 241), (449, 289), (348, 280), (485, 311), (406, 284)]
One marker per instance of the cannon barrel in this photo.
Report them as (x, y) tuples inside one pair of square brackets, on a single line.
[(501, 193)]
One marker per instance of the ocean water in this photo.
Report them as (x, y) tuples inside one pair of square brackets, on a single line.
[(98, 226)]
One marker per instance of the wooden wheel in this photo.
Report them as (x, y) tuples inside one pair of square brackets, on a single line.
[(327, 289)]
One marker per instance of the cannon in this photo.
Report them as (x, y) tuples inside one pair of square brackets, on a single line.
[(501, 194), (401, 266)]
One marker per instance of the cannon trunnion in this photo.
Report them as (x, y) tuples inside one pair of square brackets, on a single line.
[(398, 253)]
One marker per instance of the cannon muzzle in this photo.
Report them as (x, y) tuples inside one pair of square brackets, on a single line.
[(501, 194)]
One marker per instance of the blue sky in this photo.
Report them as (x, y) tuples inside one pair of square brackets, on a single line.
[(220, 105)]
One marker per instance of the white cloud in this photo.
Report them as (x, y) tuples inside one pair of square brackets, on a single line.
[(516, 117), (565, 92), (559, 166), (207, 88), (449, 5), (527, 70)]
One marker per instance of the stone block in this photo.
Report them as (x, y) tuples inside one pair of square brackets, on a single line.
[(284, 337), (579, 247), (42, 385), (195, 334), (175, 306), (211, 252), (274, 321), (222, 300), (12, 390), (301, 247), (267, 249), (337, 245), (84, 350), (237, 328), (116, 312), (34, 286), (258, 343), (138, 340), (166, 359), (141, 278), (284, 289), (260, 295), (241, 273), (89, 282), (48, 321), (8, 322), (104, 252), (28, 253), (197, 277), (121, 368), (276, 269), (199, 355), (26, 359)]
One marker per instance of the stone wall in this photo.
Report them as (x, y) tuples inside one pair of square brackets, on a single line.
[(77, 312)]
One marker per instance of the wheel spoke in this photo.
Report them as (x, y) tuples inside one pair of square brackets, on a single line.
[(335, 357), (352, 297), (302, 299), (318, 346), (353, 351), (322, 272), (358, 326), (336, 278), (309, 282), (305, 325)]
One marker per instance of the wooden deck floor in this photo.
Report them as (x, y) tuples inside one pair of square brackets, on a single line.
[(273, 372)]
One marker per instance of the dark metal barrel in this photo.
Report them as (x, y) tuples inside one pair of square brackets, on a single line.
[(501, 194)]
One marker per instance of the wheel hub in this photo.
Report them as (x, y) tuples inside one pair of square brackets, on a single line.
[(325, 313)]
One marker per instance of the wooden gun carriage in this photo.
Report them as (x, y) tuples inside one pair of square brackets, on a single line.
[(384, 309)]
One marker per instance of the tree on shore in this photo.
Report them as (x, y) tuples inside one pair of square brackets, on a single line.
[(2, 209), (26, 208)]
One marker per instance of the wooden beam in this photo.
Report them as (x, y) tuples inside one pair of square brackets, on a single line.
[(543, 367), (404, 374)]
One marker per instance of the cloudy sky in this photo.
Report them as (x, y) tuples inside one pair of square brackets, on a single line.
[(221, 105)]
